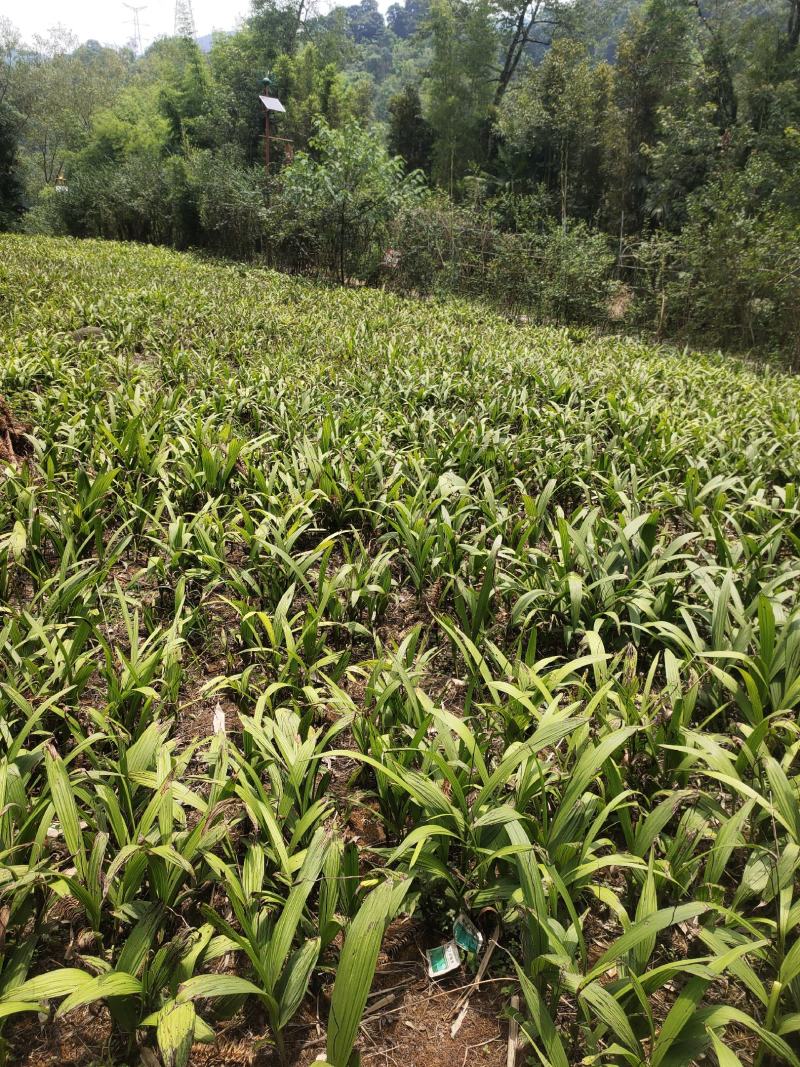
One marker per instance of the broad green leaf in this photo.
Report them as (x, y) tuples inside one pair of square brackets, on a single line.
[(113, 984), (283, 934), (203, 986), (356, 968), (725, 1056), (646, 906), (542, 1023), (56, 983), (66, 808), (175, 1033), (293, 983), (643, 930)]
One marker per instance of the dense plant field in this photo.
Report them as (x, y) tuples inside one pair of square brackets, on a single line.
[(321, 608)]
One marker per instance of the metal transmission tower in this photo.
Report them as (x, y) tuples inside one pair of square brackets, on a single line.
[(137, 26), (184, 19)]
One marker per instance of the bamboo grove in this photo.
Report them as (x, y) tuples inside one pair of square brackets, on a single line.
[(282, 556)]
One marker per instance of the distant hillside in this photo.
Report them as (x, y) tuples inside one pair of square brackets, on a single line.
[(204, 43)]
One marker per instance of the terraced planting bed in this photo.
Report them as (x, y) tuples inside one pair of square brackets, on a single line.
[(328, 616)]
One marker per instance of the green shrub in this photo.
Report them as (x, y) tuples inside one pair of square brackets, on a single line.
[(732, 275), (129, 200), (200, 201), (338, 202), (229, 202), (559, 275), (441, 247), (555, 275)]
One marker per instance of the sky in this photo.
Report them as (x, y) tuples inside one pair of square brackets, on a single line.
[(110, 21)]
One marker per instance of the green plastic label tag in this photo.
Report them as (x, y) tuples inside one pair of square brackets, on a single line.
[(467, 935), (442, 959)]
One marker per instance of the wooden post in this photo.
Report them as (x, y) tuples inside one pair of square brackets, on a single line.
[(513, 1035), (266, 141)]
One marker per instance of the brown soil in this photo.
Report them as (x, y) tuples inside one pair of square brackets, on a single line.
[(14, 444), (406, 1024)]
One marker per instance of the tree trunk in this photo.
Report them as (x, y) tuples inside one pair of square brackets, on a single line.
[(341, 247), (564, 175), (522, 35), (298, 22), (514, 51), (793, 29)]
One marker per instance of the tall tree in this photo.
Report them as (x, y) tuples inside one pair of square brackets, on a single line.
[(656, 66), (551, 115), (523, 25), (313, 90), (183, 90), (410, 134), (405, 19), (55, 88), (793, 25), (47, 97), (97, 75), (279, 23), (11, 193), (458, 89), (237, 62), (10, 46)]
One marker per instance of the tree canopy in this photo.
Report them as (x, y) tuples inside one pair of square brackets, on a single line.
[(634, 118)]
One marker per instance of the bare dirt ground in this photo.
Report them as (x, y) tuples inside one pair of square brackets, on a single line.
[(14, 444), (407, 1024)]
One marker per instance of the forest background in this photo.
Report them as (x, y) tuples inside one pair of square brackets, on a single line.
[(577, 161)]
